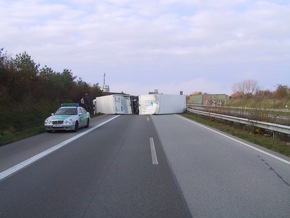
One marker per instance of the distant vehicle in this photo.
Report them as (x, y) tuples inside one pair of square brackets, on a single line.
[(70, 116)]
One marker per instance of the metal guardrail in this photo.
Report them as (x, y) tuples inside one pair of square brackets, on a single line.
[(277, 116), (241, 108), (264, 125)]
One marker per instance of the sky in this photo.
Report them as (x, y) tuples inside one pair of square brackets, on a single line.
[(170, 45)]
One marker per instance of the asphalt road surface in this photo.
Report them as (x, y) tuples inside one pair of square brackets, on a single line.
[(142, 166)]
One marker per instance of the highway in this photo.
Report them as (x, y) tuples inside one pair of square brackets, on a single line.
[(142, 166)]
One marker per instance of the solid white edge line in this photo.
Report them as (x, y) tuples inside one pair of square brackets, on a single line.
[(243, 143), (153, 151), (29, 161)]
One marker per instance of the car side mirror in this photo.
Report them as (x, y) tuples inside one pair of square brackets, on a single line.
[(52, 114)]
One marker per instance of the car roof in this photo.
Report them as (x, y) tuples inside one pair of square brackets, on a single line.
[(69, 105)]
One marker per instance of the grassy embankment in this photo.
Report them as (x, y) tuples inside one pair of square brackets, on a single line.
[(19, 121), (253, 135)]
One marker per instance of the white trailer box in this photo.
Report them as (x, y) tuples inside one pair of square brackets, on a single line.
[(161, 104), (113, 104)]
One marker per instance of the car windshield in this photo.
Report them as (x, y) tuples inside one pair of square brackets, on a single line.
[(66, 111)]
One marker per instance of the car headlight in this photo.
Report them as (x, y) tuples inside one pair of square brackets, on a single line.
[(68, 122), (47, 122)]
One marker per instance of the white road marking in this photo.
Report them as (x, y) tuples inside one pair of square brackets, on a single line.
[(243, 143), (153, 152), (31, 160), (148, 119)]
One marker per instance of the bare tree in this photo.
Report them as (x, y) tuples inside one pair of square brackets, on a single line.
[(245, 88)]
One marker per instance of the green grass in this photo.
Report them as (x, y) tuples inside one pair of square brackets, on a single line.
[(251, 135), (13, 136), (256, 102)]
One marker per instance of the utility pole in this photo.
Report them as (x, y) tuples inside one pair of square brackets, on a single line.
[(104, 81)]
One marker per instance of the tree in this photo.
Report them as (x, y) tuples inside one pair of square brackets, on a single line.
[(45, 72), (282, 91), (264, 93), (29, 94), (23, 62), (2, 57), (245, 88)]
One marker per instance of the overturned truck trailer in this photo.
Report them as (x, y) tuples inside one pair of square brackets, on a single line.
[(161, 104), (113, 104), (143, 104)]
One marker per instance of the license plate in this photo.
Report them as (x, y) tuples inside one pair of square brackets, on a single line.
[(57, 125)]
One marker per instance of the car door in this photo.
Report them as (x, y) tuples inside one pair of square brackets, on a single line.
[(82, 117)]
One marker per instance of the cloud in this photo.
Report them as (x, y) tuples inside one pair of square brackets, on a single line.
[(142, 45)]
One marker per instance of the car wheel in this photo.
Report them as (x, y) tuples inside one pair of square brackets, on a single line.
[(88, 123), (76, 127)]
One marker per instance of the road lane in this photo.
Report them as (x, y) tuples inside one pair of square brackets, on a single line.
[(134, 187), (111, 172), (19, 151), (52, 149), (107, 173), (220, 177)]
